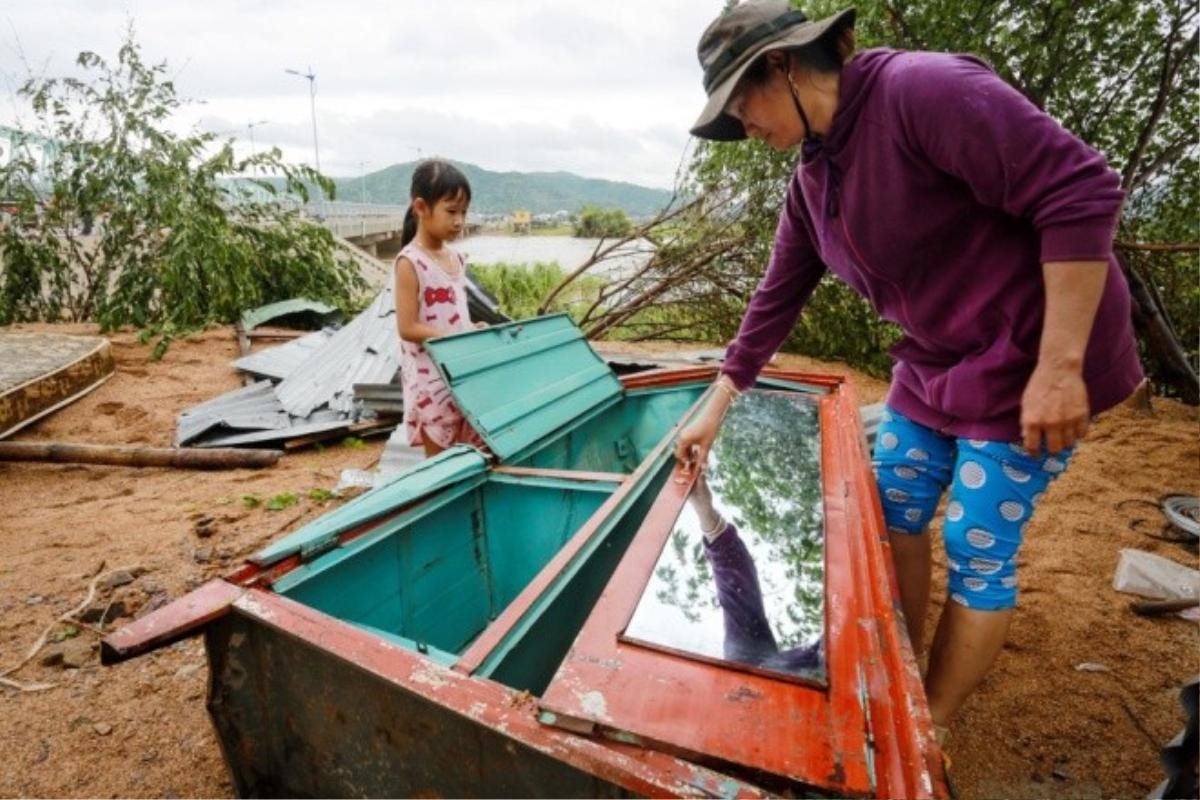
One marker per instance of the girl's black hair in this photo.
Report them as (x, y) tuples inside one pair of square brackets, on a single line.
[(433, 180)]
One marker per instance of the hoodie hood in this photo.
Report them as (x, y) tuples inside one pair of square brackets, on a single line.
[(858, 78)]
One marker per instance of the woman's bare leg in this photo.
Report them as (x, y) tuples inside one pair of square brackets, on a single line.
[(964, 648), (910, 555)]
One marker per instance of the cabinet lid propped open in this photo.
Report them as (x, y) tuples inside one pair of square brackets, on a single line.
[(520, 382)]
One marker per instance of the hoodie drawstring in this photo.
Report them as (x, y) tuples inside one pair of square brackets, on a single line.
[(813, 148)]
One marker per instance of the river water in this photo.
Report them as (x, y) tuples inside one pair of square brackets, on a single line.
[(567, 251)]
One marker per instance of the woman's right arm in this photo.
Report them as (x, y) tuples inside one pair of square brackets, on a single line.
[(791, 276), (793, 273), (408, 306)]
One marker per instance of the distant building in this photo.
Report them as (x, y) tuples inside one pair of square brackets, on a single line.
[(522, 221)]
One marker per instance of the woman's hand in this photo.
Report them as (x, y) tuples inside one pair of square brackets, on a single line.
[(1054, 407), (695, 440), (1055, 403)]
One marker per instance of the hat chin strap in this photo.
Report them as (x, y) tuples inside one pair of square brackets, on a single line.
[(809, 135)]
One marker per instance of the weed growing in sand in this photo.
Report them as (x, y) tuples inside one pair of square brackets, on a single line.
[(281, 501)]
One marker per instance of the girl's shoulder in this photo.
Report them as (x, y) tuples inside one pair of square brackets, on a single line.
[(415, 256)]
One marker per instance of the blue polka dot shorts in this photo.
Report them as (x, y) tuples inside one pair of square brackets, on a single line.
[(994, 487)]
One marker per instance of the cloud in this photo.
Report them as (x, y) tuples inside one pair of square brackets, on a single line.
[(601, 89)]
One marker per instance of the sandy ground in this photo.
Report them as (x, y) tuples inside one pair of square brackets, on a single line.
[(1038, 727)]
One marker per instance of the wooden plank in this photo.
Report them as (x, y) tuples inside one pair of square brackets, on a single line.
[(174, 621)]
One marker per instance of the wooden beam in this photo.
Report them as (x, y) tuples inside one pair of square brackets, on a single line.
[(127, 456)]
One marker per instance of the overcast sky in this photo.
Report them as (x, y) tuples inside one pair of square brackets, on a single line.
[(601, 88)]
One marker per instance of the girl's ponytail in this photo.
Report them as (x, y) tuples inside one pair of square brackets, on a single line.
[(410, 226)]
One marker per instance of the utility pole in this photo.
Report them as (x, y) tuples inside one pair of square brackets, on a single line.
[(312, 98), (362, 177), (250, 126)]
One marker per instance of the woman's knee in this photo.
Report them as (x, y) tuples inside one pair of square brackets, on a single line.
[(912, 468), (995, 489)]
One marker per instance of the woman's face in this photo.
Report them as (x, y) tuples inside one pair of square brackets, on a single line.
[(766, 110)]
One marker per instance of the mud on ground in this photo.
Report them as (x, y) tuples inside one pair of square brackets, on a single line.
[(1038, 727)]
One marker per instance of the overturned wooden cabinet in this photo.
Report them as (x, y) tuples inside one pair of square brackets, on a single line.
[(566, 614)]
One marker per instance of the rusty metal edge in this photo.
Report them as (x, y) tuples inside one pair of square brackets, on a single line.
[(642, 771)]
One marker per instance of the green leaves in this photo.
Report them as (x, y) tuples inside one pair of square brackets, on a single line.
[(602, 223), (132, 224), (1122, 76), (520, 288)]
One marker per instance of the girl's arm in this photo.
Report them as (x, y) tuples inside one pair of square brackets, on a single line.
[(408, 307)]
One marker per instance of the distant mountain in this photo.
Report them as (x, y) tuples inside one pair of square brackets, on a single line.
[(503, 192)]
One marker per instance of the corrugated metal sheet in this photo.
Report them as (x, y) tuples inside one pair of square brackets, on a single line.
[(450, 466), (366, 350), (382, 398), (316, 375), (251, 408), (325, 314), (250, 415), (481, 305), (519, 382), (306, 427), (280, 361)]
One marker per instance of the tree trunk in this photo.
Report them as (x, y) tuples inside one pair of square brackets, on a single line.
[(125, 456), (1152, 325)]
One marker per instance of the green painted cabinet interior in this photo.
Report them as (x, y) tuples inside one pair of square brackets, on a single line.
[(434, 577), (616, 438)]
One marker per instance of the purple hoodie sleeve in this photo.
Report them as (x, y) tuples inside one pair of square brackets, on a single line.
[(968, 122), (791, 276), (747, 633), (748, 636)]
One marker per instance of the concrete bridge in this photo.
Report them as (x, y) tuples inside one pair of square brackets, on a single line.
[(375, 228)]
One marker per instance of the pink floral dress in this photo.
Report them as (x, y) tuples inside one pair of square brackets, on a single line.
[(429, 409)]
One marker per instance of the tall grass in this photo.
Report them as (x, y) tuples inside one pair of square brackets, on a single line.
[(520, 288)]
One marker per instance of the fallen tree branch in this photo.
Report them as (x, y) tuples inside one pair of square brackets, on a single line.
[(125, 456)]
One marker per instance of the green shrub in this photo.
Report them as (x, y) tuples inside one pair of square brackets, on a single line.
[(130, 224)]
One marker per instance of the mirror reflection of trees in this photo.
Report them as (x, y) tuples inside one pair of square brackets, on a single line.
[(765, 468), (764, 474)]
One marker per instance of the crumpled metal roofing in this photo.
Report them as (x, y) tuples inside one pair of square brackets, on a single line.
[(279, 362), (252, 407), (249, 415), (297, 306), (366, 350)]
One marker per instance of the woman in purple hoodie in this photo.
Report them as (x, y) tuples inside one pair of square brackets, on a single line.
[(983, 229)]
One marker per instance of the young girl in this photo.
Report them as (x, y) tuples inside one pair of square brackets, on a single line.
[(431, 301)]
